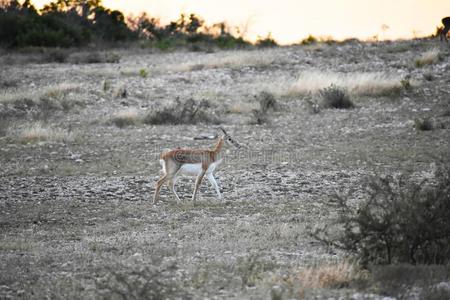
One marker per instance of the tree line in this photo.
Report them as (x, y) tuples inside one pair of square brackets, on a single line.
[(77, 23)]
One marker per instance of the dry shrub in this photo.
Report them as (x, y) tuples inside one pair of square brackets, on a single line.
[(56, 55), (39, 133), (429, 57), (397, 280), (259, 117), (188, 112), (251, 269), (94, 58), (425, 124), (137, 279), (334, 275), (125, 118), (335, 97), (369, 84), (399, 220), (266, 102), (120, 92)]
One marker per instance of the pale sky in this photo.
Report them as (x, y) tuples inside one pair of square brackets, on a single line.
[(292, 20)]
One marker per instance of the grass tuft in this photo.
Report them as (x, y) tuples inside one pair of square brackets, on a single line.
[(125, 118), (335, 275), (429, 57), (39, 133), (368, 84)]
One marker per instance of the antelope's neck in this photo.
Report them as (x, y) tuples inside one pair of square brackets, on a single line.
[(218, 149)]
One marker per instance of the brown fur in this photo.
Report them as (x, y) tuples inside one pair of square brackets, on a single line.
[(174, 159)]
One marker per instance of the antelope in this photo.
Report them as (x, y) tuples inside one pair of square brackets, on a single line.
[(444, 31), (198, 162)]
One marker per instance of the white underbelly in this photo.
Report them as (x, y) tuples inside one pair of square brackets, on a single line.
[(192, 169), (195, 169)]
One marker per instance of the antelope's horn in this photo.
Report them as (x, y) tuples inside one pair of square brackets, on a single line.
[(221, 128)]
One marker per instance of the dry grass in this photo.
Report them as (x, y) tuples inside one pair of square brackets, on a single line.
[(125, 118), (242, 107), (232, 59), (334, 275), (369, 84), (429, 57), (39, 133), (56, 91)]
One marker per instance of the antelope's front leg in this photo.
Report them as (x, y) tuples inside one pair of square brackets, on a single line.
[(198, 181)]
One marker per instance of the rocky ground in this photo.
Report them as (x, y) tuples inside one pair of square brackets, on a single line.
[(77, 218)]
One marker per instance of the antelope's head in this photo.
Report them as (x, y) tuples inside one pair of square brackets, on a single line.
[(228, 139)]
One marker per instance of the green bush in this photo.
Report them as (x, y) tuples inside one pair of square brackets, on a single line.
[(227, 41), (397, 222), (309, 40)]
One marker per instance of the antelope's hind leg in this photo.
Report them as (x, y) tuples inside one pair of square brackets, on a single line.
[(171, 170), (211, 179)]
